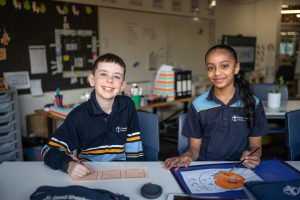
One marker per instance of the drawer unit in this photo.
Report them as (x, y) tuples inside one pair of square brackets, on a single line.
[(10, 132)]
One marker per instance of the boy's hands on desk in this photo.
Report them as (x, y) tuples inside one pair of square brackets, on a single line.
[(179, 161), (250, 161), (77, 170)]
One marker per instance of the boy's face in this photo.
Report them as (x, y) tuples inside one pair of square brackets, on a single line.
[(108, 80), (221, 68)]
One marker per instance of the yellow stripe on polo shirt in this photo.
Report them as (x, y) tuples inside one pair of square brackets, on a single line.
[(103, 151), (132, 139), (55, 144)]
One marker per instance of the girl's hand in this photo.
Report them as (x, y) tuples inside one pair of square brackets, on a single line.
[(250, 161), (179, 161), (77, 170)]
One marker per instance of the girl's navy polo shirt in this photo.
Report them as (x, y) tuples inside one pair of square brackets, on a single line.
[(222, 128)]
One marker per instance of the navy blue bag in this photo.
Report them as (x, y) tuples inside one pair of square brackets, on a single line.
[(283, 190), (75, 193)]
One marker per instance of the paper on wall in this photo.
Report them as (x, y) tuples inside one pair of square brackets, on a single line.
[(36, 87), (19, 80), (38, 59)]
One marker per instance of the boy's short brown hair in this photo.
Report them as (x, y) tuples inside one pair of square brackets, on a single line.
[(109, 58)]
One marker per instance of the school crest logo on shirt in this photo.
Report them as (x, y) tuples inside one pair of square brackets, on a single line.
[(121, 129), (291, 190), (238, 118)]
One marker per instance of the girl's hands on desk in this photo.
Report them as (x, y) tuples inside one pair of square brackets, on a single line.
[(77, 170), (179, 161), (250, 161)]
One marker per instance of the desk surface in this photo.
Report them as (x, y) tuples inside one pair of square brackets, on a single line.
[(18, 180), (279, 113)]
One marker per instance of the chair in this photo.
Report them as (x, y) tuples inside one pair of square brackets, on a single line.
[(292, 125), (261, 91), (183, 141), (149, 127)]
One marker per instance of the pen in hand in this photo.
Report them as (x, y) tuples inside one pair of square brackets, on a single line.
[(241, 162)]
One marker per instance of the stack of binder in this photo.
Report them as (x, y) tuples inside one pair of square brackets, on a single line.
[(183, 84)]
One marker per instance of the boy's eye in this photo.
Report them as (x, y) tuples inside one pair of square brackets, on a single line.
[(102, 74), (117, 77)]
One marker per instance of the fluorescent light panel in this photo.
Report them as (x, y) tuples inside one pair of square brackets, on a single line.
[(290, 11)]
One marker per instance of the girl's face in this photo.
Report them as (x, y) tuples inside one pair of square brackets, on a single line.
[(221, 68), (108, 80)]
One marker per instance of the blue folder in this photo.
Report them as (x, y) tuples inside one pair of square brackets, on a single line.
[(268, 170)]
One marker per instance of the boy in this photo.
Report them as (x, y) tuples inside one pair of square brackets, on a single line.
[(105, 128)]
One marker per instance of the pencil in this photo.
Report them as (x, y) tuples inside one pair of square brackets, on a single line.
[(253, 152)]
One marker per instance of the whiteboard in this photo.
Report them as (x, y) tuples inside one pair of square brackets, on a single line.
[(146, 41)]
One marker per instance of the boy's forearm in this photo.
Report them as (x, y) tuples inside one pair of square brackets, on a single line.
[(57, 159), (193, 153)]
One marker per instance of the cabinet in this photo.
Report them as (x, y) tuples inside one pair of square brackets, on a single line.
[(10, 132)]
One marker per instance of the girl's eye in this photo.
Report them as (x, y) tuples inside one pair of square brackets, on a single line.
[(224, 66), (117, 77), (210, 68)]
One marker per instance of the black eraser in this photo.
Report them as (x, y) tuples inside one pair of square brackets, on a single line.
[(151, 191)]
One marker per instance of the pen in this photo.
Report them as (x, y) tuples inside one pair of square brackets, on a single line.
[(255, 150), (75, 157)]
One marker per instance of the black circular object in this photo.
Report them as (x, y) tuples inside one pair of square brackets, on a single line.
[(151, 191)]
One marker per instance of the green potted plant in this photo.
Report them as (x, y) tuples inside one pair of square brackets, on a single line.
[(274, 95)]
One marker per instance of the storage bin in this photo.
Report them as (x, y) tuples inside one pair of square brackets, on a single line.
[(7, 117), (7, 137), (5, 97), (6, 107), (9, 156), (8, 127), (8, 147)]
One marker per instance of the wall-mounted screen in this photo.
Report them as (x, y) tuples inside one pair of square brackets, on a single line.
[(245, 49)]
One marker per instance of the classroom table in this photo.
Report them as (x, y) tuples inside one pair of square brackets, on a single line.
[(18, 180), (279, 113)]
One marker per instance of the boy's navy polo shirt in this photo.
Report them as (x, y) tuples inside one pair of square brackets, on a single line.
[(95, 135), (222, 128)]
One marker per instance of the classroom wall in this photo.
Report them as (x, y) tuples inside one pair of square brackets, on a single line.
[(253, 18), (247, 19)]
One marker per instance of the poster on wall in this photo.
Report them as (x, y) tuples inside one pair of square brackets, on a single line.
[(53, 40)]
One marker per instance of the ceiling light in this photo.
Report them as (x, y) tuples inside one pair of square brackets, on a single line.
[(284, 6), (290, 11), (298, 15)]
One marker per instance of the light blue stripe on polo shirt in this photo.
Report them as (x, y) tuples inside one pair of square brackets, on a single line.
[(239, 103), (201, 102), (134, 147), (104, 157)]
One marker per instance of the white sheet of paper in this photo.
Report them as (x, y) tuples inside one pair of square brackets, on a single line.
[(202, 180), (19, 80), (36, 87), (38, 59)]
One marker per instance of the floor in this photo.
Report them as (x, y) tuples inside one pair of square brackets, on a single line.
[(273, 147)]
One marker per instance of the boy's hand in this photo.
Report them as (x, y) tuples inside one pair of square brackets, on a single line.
[(250, 161), (77, 170), (179, 161)]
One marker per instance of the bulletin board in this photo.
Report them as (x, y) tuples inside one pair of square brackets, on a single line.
[(60, 36), (147, 40)]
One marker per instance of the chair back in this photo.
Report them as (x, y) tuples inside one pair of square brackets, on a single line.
[(261, 91), (292, 123), (183, 141), (149, 127)]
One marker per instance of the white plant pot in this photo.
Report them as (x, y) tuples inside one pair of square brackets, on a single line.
[(274, 100)]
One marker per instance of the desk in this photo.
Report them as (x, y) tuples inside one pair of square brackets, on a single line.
[(18, 180), (154, 106), (279, 113), (51, 119)]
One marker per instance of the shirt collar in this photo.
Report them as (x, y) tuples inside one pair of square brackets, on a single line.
[(95, 108), (212, 97)]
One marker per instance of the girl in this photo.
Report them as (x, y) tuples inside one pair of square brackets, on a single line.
[(227, 122)]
